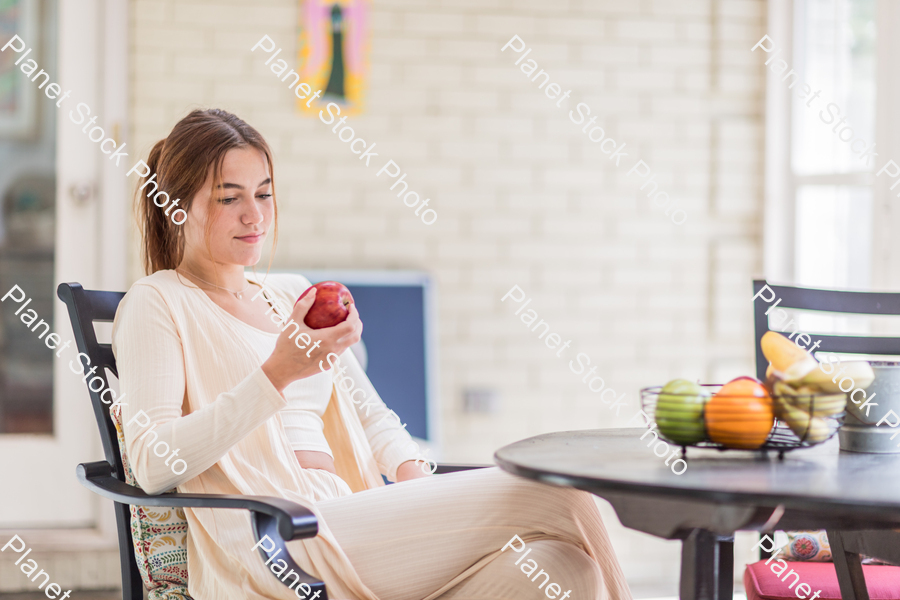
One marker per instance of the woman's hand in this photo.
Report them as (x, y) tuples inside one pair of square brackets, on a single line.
[(297, 356), (410, 470)]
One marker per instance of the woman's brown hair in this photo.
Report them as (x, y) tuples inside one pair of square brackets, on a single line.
[(181, 163)]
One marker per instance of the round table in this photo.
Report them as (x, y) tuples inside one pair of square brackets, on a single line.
[(723, 492)]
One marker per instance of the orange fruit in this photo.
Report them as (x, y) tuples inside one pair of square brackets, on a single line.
[(740, 415)]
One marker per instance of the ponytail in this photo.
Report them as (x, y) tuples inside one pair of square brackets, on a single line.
[(163, 240)]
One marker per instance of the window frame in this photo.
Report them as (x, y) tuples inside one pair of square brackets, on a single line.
[(782, 184)]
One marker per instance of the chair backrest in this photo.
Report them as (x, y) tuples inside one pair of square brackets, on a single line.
[(832, 301), (85, 307)]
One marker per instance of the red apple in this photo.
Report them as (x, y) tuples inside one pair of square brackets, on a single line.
[(331, 306)]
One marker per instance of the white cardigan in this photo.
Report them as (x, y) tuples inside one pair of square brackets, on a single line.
[(194, 371)]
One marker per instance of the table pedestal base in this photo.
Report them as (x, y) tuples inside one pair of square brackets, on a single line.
[(707, 566)]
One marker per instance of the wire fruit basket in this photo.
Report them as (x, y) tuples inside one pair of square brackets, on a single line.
[(801, 420)]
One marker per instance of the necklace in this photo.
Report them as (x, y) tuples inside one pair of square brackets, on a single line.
[(237, 294)]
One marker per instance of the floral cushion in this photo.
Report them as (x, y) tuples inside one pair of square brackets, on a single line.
[(159, 536), (813, 546), (810, 546)]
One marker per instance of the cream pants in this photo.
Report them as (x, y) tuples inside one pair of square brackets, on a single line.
[(441, 537)]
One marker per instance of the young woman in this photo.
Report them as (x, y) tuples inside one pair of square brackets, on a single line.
[(247, 405)]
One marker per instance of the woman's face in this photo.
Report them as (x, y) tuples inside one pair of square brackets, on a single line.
[(243, 216)]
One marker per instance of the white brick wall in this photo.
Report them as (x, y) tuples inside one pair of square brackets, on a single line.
[(523, 196)]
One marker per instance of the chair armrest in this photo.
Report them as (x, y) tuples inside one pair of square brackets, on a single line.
[(453, 468), (274, 519), (294, 521)]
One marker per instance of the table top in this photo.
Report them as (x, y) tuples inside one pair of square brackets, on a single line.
[(617, 461)]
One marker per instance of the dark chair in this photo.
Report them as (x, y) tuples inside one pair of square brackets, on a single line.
[(277, 518), (846, 546), (859, 303)]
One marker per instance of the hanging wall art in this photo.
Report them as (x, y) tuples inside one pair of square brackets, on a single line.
[(333, 53)]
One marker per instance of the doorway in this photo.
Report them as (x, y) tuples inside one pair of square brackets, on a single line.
[(64, 217)]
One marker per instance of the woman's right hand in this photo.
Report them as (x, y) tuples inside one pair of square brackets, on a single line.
[(289, 362)]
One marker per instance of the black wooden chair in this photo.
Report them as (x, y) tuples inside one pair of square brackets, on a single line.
[(832, 301), (281, 520), (846, 546)]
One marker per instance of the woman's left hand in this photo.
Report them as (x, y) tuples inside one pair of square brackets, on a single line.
[(411, 470)]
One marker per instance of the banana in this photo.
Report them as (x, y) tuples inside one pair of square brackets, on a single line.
[(822, 406), (783, 389), (859, 371), (780, 399), (798, 420), (778, 405), (807, 397), (794, 372), (818, 430), (808, 428), (803, 395), (788, 360)]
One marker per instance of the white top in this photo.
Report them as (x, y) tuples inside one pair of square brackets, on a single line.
[(306, 398)]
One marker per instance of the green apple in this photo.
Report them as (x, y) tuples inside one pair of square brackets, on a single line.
[(679, 411)]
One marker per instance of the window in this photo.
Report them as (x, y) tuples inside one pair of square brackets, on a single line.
[(831, 172), (27, 219)]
